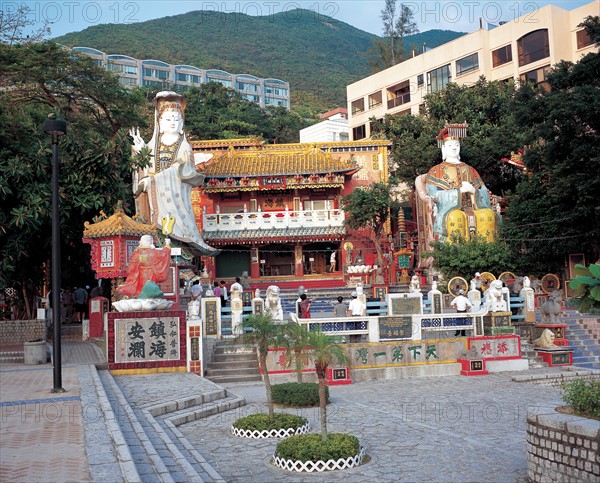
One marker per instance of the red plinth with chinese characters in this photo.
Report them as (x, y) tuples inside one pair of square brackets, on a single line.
[(556, 357), (337, 376), (147, 341), (472, 367)]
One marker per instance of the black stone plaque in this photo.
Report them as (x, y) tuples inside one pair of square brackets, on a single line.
[(392, 327), (476, 365), (340, 374), (562, 358), (195, 348), (247, 298), (211, 321), (406, 306)]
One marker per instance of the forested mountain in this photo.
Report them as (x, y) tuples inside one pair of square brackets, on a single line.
[(318, 55)]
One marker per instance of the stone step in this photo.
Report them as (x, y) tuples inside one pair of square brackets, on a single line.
[(238, 378), (231, 371), (12, 356), (238, 356), (233, 364), (195, 413), (225, 348)]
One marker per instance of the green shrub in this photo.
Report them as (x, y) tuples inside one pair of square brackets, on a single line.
[(310, 447), (298, 394), (261, 422), (584, 396)]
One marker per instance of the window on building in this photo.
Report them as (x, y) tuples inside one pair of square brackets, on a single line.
[(467, 64), (248, 87), (128, 81), (156, 73), (375, 100), (420, 80), (276, 91), (583, 39), (439, 78), (358, 106), (533, 46), (503, 55), (536, 77), (359, 132)]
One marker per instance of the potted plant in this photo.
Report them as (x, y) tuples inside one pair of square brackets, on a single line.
[(260, 330), (314, 452), (587, 287)]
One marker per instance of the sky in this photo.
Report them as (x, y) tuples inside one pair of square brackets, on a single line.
[(459, 15)]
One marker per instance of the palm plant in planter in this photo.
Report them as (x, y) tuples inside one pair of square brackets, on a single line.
[(587, 287), (293, 339), (261, 331), (313, 452)]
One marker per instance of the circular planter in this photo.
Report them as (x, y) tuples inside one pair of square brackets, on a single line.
[(270, 433), (320, 466), (35, 352)]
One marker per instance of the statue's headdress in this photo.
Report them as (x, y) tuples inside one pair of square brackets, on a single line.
[(452, 132), (168, 100)]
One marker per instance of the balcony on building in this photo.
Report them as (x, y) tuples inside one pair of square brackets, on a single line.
[(261, 220), (398, 94)]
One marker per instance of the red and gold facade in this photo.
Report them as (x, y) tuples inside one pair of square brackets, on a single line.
[(275, 210), (113, 239)]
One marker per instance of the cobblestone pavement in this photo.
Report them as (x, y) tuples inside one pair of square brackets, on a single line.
[(428, 429)]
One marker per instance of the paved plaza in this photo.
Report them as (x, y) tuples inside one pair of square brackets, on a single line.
[(449, 428)]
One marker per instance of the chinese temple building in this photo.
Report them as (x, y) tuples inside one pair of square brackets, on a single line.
[(275, 211)]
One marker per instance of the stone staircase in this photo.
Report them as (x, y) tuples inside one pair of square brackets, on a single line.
[(137, 439), (529, 353), (233, 363), (586, 350)]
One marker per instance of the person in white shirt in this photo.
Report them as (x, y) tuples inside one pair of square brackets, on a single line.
[(356, 307), (236, 286), (461, 304)]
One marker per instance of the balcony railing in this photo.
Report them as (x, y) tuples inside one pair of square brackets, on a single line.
[(261, 220), (398, 101)]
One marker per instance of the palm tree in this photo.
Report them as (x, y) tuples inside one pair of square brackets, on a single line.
[(294, 338), (324, 350), (261, 331)]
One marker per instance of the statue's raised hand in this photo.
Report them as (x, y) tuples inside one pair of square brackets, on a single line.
[(138, 142)]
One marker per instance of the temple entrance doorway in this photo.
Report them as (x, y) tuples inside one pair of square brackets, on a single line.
[(232, 261), (316, 257), (276, 260)]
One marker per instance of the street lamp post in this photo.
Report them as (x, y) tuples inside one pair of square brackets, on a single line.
[(56, 129)]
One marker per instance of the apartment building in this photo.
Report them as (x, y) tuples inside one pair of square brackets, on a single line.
[(157, 74), (522, 49)]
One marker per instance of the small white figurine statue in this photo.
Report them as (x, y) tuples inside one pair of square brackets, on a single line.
[(415, 284), (433, 285), (273, 303), (494, 300)]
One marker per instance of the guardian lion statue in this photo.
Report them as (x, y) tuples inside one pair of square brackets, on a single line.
[(550, 309), (494, 301), (273, 303), (546, 340)]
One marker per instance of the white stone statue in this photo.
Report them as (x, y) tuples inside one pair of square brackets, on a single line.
[(163, 188), (433, 286), (273, 303), (237, 310), (415, 284), (494, 300), (526, 282)]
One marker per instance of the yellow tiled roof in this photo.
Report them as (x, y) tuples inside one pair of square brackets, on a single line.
[(117, 224), (296, 159)]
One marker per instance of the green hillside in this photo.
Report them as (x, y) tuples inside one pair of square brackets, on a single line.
[(316, 54)]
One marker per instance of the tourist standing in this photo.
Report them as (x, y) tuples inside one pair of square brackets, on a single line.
[(461, 304), (224, 296), (217, 290), (304, 307), (80, 296), (67, 305), (340, 309), (356, 307), (237, 286), (196, 289)]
